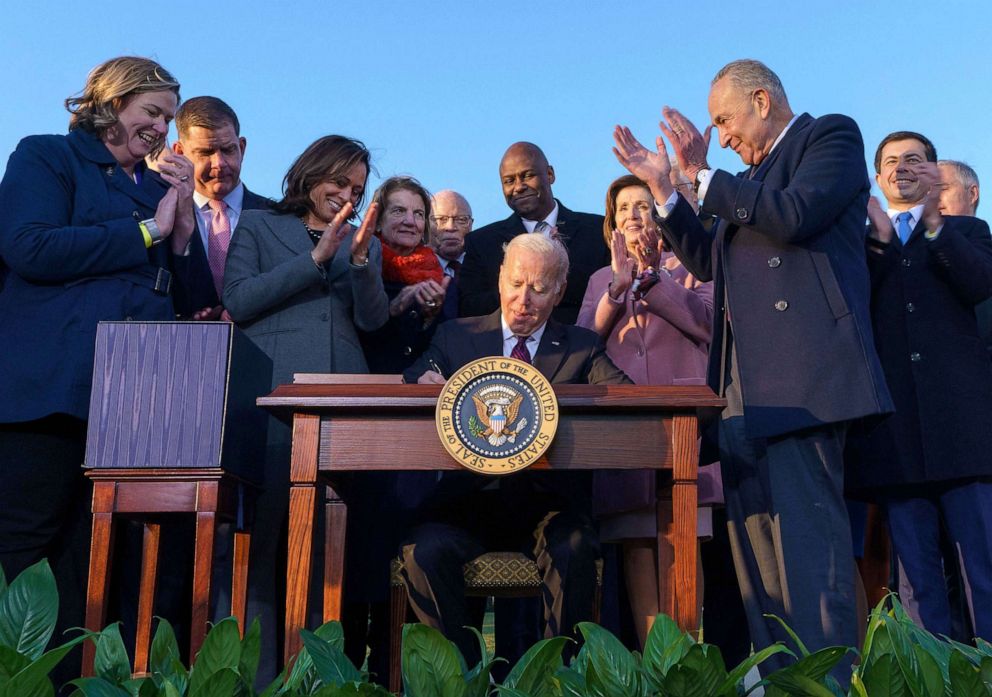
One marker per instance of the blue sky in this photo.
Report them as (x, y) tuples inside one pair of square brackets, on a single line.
[(439, 89)]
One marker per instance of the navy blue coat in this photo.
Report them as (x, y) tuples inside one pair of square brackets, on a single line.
[(788, 255), (923, 310), (70, 239)]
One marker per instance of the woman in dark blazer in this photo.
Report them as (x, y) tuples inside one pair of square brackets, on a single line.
[(81, 219), (300, 281)]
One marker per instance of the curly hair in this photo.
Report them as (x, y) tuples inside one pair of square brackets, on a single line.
[(108, 87)]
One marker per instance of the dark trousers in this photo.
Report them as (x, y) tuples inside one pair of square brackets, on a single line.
[(915, 522), (790, 535), (564, 544), (44, 513)]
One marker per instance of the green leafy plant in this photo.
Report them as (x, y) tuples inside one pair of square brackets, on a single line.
[(29, 607), (434, 667)]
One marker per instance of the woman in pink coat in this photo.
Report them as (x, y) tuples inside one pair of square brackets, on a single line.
[(656, 320)]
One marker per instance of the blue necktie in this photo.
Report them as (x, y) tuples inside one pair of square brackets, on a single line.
[(902, 226)]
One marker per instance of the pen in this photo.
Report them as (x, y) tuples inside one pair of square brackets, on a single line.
[(435, 367)]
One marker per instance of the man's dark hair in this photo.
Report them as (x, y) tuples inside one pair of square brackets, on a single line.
[(929, 150), (205, 112)]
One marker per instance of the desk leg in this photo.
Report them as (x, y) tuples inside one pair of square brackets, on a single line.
[(684, 501), (101, 554), (302, 502), (335, 527), (666, 550), (146, 597), (206, 527), (239, 579)]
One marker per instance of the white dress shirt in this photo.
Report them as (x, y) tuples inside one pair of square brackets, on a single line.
[(510, 339), (551, 220), (204, 213)]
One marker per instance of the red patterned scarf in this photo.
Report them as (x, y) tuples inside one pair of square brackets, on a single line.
[(419, 265)]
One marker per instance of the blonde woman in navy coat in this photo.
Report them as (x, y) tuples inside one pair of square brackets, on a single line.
[(81, 222)]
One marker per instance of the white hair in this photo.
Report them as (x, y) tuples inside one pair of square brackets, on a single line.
[(748, 75), (553, 251)]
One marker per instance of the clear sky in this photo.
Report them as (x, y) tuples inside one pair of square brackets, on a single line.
[(439, 89)]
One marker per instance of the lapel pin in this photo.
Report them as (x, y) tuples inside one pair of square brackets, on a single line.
[(555, 343)]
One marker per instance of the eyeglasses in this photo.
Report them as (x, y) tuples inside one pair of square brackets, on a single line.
[(459, 220)]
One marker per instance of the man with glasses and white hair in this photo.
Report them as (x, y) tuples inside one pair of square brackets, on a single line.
[(451, 221), (792, 347)]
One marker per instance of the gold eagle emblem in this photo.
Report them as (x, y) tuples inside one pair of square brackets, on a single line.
[(497, 407)]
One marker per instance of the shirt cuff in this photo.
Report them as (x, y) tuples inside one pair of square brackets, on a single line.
[(665, 209), (703, 177)]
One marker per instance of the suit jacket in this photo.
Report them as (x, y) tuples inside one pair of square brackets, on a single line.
[(923, 311), (788, 261), (302, 317), (194, 289), (582, 234), (75, 256), (566, 354)]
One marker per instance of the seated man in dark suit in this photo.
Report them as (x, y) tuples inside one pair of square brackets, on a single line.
[(468, 514), (526, 178)]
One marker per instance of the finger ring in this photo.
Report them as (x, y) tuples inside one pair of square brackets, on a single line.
[(184, 178), (430, 303)]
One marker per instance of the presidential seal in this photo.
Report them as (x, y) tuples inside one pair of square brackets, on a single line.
[(497, 415)]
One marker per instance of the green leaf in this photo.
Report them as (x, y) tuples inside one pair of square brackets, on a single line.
[(966, 679), (353, 690), (164, 647), (815, 666), (986, 668), (99, 687), (615, 667), (221, 650), (430, 662), (666, 645), (570, 683), (885, 678), (534, 673), (172, 691), (798, 684), (736, 676), (164, 660), (792, 635), (111, 662), (251, 651), (983, 646), (11, 662), (699, 673), (28, 610), (220, 683), (929, 672), (331, 632), (331, 664), (275, 685), (3, 580)]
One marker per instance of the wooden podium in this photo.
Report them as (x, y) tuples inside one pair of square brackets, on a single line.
[(173, 429), (361, 427)]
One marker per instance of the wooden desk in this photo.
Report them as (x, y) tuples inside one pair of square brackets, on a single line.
[(361, 427)]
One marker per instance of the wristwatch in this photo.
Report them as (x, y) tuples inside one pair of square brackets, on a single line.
[(149, 227)]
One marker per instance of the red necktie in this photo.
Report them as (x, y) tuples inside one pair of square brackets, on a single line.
[(520, 351), (218, 241)]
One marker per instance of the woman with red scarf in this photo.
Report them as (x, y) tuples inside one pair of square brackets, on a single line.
[(411, 274)]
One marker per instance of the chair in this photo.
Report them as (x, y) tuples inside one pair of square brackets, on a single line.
[(493, 574)]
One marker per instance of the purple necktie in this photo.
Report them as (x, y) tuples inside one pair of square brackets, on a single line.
[(218, 241), (520, 351)]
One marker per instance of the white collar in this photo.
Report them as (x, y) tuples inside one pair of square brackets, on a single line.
[(234, 200), (551, 220)]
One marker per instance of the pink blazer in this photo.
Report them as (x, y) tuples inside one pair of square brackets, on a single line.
[(661, 339)]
